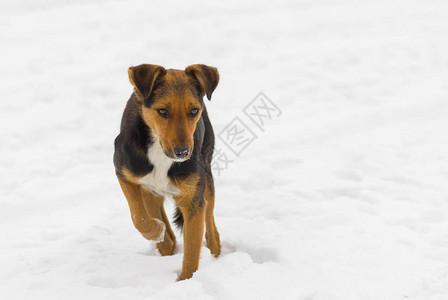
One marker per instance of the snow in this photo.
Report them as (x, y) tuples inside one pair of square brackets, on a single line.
[(343, 196)]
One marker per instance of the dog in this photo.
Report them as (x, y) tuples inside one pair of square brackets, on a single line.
[(164, 148)]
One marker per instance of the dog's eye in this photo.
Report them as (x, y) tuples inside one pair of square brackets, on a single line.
[(163, 112), (194, 112)]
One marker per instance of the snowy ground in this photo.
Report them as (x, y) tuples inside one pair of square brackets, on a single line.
[(343, 196)]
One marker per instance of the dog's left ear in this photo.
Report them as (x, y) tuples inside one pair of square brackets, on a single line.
[(208, 77), (143, 77)]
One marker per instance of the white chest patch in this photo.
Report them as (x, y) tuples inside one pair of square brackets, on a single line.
[(158, 181)]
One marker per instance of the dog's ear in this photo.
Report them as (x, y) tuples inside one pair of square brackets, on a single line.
[(208, 77), (143, 78)]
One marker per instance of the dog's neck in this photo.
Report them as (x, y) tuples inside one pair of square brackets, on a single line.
[(157, 180)]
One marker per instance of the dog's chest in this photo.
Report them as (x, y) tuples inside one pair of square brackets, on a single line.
[(157, 180)]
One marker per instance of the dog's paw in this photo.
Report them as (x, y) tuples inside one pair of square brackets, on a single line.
[(161, 237), (156, 231)]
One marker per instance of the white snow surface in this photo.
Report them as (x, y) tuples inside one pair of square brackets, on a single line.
[(343, 196)]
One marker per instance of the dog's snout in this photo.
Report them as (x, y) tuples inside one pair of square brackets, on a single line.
[(181, 151)]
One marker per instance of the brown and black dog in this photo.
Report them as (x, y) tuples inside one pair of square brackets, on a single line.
[(165, 148)]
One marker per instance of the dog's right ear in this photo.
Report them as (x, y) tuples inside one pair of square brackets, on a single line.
[(207, 76), (143, 77)]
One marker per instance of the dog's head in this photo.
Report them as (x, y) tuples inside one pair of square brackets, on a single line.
[(171, 103)]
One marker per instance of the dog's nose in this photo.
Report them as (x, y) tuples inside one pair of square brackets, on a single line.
[(181, 151)]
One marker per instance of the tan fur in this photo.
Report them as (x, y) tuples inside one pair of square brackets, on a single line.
[(193, 224), (150, 228), (179, 128), (188, 188), (193, 234), (154, 207), (129, 176), (211, 234)]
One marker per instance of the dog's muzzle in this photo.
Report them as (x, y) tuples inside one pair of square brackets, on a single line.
[(181, 151)]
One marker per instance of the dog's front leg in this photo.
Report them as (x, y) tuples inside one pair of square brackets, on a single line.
[(150, 228), (193, 235), (154, 207)]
